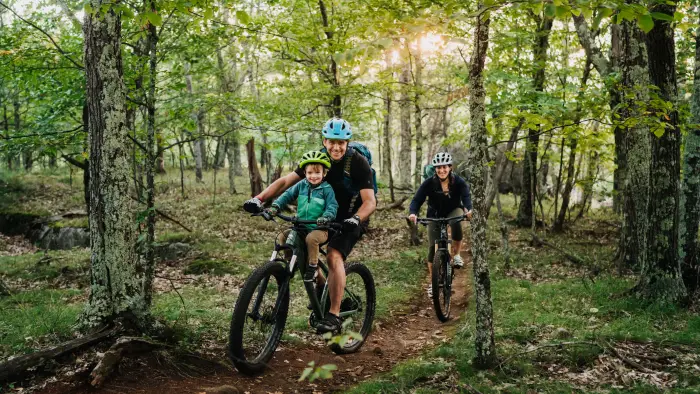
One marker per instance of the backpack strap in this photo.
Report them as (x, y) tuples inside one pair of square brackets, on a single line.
[(348, 161), (346, 170)]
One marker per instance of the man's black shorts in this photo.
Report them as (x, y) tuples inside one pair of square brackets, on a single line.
[(345, 241)]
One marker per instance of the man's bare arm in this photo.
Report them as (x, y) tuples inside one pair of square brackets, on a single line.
[(277, 187), (369, 204)]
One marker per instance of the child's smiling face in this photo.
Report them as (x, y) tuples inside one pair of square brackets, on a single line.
[(314, 173)]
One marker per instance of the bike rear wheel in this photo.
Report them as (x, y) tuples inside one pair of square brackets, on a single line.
[(359, 303), (259, 318), (442, 285)]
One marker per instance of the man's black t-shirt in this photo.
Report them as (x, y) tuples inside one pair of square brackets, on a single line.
[(361, 176)]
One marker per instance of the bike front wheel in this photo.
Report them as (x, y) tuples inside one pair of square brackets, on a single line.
[(259, 318), (442, 285), (358, 304)]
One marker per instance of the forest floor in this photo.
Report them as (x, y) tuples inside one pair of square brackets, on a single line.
[(559, 327)]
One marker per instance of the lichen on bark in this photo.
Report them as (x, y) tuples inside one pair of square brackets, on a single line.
[(478, 171), (115, 278)]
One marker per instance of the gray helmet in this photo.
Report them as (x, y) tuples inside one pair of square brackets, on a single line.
[(442, 159)]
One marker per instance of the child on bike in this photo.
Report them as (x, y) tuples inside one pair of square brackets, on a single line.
[(448, 196), (315, 201)]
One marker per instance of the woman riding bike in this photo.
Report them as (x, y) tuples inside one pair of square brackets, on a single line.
[(448, 196)]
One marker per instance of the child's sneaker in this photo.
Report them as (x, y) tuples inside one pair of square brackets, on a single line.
[(458, 262), (310, 273)]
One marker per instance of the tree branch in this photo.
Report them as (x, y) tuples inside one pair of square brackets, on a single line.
[(58, 48), (11, 137), (587, 39)]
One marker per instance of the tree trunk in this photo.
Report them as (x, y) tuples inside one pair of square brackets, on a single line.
[(501, 168), (690, 207), (255, 178), (607, 67), (197, 116), (231, 153), (152, 155), (116, 278), (335, 104), (529, 189), (570, 175), (388, 171), (161, 153), (478, 170), (6, 126), (237, 167), (405, 146), (418, 120), (559, 222), (661, 278), (198, 161), (220, 153), (636, 143)]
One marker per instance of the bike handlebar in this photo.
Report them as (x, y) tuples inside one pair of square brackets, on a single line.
[(427, 220), (296, 221)]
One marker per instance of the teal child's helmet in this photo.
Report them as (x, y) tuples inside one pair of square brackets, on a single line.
[(315, 156), (337, 129)]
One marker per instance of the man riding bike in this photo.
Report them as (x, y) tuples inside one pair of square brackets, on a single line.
[(354, 209), (448, 196)]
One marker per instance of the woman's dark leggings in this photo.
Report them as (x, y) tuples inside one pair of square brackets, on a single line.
[(434, 232)]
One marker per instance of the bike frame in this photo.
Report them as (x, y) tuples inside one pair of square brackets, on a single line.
[(443, 240), (299, 254)]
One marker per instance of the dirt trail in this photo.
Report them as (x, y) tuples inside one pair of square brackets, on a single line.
[(404, 335)]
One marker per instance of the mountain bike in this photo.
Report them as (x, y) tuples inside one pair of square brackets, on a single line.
[(443, 273), (260, 313)]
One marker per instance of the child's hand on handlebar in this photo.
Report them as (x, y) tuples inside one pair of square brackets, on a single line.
[(322, 221)]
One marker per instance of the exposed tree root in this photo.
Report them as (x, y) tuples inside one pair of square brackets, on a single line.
[(15, 367), (122, 347)]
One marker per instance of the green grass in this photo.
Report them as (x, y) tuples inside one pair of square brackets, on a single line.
[(33, 318), (205, 314), (44, 267), (540, 293)]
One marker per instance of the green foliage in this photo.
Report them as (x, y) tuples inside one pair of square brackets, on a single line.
[(312, 372)]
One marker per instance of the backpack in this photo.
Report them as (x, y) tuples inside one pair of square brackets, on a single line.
[(354, 147), (428, 172)]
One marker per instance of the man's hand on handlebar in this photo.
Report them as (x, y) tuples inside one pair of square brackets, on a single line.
[(413, 218), (254, 205)]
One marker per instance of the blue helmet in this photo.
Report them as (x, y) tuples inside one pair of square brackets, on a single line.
[(337, 129)]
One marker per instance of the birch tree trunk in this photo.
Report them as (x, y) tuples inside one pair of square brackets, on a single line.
[(661, 278), (405, 113), (690, 207), (478, 168), (116, 278)]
